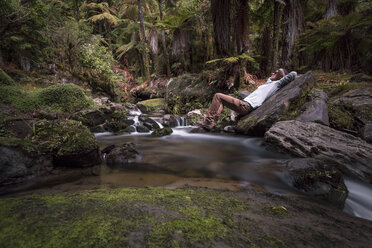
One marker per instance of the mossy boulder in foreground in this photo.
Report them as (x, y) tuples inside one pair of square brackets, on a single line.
[(189, 217), (70, 143), (53, 144)]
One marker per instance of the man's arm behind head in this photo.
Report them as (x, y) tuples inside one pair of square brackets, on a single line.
[(287, 79)]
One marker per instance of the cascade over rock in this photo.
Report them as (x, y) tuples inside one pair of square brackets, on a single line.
[(318, 141), (315, 177), (260, 120)]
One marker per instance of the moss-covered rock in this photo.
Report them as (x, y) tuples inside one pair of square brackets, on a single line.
[(157, 105), (64, 97), (162, 132), (56, 98), (122, 156), (70, 143), (189, 217), (20, 162), (340, 117)]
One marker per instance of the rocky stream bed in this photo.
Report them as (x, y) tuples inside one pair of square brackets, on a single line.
[(151, 179)]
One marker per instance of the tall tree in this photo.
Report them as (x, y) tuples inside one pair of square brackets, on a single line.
[(142, 24), (165, 51), (293, 24), (221, 25), (331, 9), (77, 10), (242, 26), (276, 32), (145, 57)]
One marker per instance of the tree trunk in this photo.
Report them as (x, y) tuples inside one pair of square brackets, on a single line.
[(221, 25), (166, 57), (77, 10), (331, 9), (143, 41), (143, 31), (276, 33), (292, 27), (266, 48), (242, 26)]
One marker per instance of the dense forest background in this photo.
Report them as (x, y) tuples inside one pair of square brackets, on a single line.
[(111, 44)]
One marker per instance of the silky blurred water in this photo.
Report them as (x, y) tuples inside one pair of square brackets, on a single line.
[(240, 158)]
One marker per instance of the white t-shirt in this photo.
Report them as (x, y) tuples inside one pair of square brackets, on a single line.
[(263, 92)]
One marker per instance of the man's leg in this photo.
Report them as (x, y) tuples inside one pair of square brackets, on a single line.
[(218, 102), (221, 100)]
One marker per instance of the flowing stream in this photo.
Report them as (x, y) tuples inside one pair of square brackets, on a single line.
[(230, 157)]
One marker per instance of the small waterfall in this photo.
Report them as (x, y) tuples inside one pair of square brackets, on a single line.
[(160, 125), (136, 120), (181, 121)]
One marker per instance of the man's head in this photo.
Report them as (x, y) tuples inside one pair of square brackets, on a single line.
[(278, 74)]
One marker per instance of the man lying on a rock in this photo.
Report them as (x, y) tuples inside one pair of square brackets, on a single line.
[(278, 79)]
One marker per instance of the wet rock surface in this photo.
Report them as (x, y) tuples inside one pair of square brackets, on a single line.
[(170, 121), (260, 120), (318, 141), (366, 133), (315, 177), (17, 166), (122, 156), (155, 106), (148, 122), (316, 110), (162, 132), (356, 98)]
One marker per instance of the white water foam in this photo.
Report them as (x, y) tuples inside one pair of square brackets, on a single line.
[(359, 200)]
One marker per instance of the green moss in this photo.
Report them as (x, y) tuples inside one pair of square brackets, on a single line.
[(56, 98), (23, 101), (153, 105), (64, 97), (340, 117), (247, 122), (271, 241), (25, 144), (64, 138), (277, 211), (5, 78), (193, 229), (106, 218), (119, 116)]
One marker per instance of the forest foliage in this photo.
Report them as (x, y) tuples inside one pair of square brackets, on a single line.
[(155, 38)]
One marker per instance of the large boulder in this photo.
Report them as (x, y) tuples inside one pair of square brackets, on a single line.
[(195, 115), (316, 109), (170, 121), (153, 106), (315, 177), (361, 102), (361, 77), (148, 122), (123, 155), (366, 133), (19, 161), (162, 132), (69, 142), (260, 120), (90, 118), (318, 141)]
